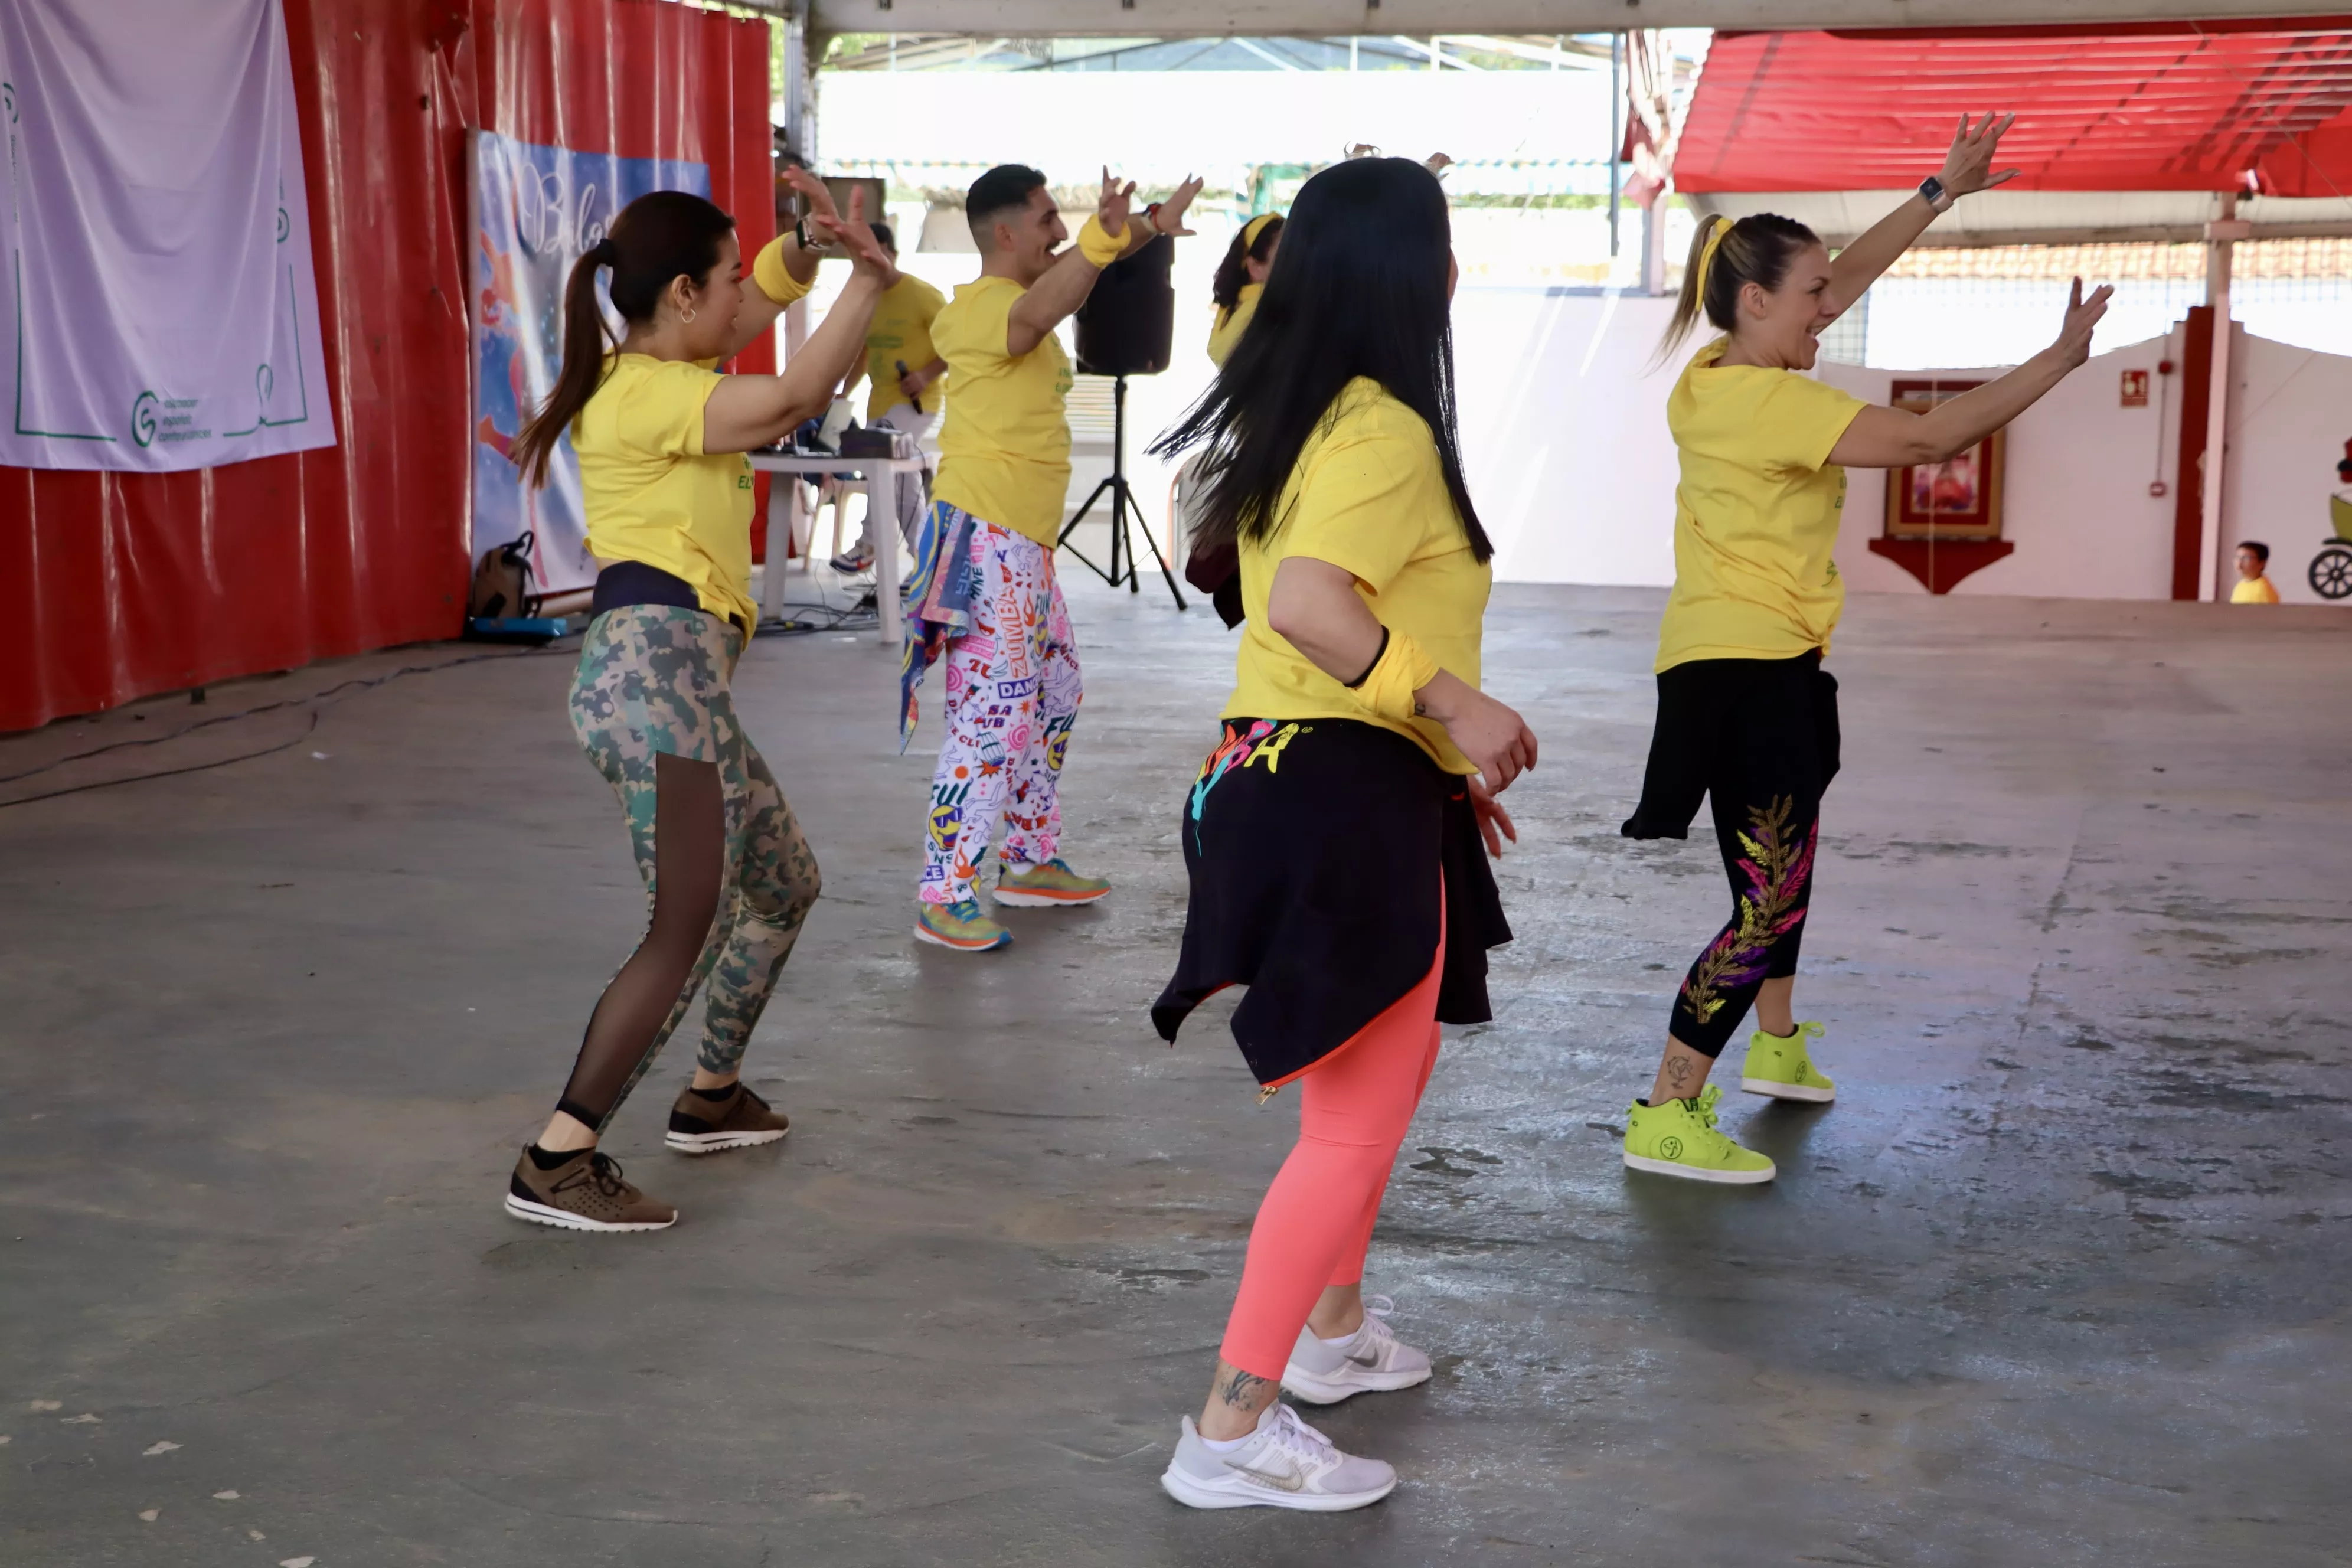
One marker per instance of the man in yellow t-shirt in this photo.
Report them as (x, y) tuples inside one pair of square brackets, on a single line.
[(908, 383), (2253, 586), (983, 592)]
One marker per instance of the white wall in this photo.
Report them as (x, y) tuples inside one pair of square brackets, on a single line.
[(1564, 432), (2291, 417), (2074, 487)]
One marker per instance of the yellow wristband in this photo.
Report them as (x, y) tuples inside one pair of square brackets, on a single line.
[(768, 273), (1098, 245), (1401, 670)]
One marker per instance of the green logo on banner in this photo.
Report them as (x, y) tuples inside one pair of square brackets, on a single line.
[(142, 418)]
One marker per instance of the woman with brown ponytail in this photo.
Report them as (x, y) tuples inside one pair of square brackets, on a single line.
[(1747, 716), (660, 435)]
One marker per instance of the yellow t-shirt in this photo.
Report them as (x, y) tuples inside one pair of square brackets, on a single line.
[(650, 492), (1756, 514), (2253, 591), (901, 330), (1004, 446), (1368, 497), (1232, 323)]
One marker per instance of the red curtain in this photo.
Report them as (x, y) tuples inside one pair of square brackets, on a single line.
[(116, 585)]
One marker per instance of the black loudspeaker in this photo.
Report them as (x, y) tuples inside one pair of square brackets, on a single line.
[(1128, 325)]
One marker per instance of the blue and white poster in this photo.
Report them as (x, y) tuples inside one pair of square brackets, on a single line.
[(536, 210)]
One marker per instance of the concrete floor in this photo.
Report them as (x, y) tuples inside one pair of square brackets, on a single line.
[(2061, 1279)]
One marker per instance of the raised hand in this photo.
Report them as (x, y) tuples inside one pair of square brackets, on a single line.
[(817, 194), (2073, 344), (1968, 165), (1170, 219), (855, 236), (1110, 207)]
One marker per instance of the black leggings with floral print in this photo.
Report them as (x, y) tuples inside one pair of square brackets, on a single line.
[(1760, 737)]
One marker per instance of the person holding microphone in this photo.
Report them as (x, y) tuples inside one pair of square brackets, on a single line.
[(909, 384)]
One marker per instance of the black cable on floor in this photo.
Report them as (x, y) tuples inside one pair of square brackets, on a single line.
[(314, 700)]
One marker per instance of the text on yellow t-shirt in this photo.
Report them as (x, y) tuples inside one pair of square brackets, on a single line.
[(1756, 514), (902, 331), (1004, 446), (650, 492), (1368, 496)]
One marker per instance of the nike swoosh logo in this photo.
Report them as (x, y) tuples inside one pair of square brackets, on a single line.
[(1289, 1482), (1372, 1360)]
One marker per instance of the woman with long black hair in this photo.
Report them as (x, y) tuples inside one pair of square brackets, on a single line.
[(1747, 716), (1240, 279), (1332, 836), (660, 436)]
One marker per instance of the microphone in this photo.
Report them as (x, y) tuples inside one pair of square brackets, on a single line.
[(917, 402)]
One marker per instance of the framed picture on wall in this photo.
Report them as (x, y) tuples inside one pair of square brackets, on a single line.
[(1956, 500)]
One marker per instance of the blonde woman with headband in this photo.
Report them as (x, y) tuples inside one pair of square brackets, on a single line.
[(1747, 716)]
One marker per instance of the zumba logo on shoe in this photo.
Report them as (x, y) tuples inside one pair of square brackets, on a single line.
[(1778, 1067), (1678, 1138)]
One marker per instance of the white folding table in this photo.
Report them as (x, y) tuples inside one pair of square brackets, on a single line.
[(878, 477)]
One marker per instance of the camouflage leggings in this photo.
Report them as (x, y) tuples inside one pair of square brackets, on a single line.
[(654, 678)]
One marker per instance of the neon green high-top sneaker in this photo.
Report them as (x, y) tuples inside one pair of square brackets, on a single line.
[(1678, 1139), (1780, 1069)]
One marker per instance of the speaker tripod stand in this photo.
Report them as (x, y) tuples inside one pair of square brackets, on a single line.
[(1122, 568)]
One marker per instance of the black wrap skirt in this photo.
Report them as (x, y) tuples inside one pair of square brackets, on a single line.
[(1318, 851)]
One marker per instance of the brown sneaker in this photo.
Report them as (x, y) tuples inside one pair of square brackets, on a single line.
[(699, 1126), (584, 1192)]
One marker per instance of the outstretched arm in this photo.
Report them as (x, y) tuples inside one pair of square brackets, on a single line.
[(747, 412), (1967, 168), (1052, 298), (760, 309), (1882, 437)]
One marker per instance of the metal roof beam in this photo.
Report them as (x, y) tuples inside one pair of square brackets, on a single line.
[(1339, 18)]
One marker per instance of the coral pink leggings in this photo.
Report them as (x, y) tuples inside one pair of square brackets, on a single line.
[(1317, 1219)]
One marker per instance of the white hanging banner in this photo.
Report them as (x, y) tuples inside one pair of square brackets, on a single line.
[(163, 313)]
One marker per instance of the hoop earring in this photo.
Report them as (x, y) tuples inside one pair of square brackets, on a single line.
[(687, 316)]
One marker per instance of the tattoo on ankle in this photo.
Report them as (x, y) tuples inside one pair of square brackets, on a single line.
[(1241, 1388), (1677, 1069)]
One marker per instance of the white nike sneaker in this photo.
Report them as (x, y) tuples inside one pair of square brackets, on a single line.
[(1284, 1464), (1374, 1361)]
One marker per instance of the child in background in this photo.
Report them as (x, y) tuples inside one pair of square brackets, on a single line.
[(2254, 588)]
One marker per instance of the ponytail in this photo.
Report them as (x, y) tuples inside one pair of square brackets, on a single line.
[(585, 337), (656, 239), (1725, 257)]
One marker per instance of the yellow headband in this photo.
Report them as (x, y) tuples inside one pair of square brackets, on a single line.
[(1255, 226), (1720, 225)]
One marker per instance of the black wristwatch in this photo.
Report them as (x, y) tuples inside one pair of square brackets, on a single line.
[(1931, 190), (801, 238)]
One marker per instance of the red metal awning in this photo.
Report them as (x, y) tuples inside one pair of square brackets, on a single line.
[(2215, 106)]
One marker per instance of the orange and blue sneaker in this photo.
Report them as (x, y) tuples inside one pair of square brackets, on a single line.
[(960, 926), (1052, 885)]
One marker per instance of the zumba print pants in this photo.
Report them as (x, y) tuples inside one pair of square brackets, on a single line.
[(653, 678), (1013, 692)]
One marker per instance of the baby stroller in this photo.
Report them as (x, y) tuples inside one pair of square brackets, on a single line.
[(2331, 568)]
